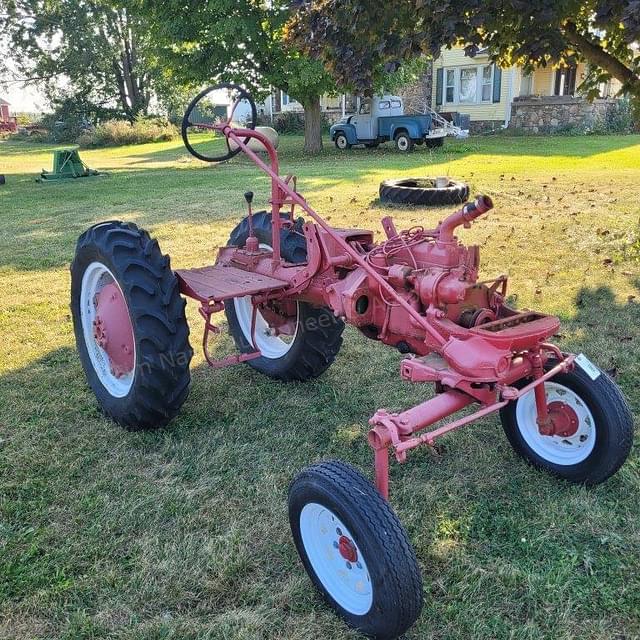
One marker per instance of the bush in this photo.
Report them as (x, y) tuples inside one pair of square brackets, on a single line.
[(120, 132), (290, 122)]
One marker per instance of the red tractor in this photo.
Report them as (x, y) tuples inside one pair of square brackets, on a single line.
[(287, 286)]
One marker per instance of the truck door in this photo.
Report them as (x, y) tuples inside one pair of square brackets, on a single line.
[(364, 122)]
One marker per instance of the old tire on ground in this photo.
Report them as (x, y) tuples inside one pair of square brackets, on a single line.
[(317, 337), (355, 549), (403, 141), (423, 191), (130, 326), (594, 446)]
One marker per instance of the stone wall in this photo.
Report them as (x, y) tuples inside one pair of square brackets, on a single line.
[(545, 114)]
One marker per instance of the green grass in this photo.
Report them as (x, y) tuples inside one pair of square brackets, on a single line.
[(182, 533)]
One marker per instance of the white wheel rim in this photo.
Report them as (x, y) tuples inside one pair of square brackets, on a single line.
[(342, 142), (270, 346), (95, 277), (560, 450), (348, 583), (402, 143)]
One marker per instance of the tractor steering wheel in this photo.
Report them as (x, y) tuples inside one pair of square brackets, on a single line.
[(203, 112)]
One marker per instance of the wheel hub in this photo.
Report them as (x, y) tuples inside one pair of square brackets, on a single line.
[(112, 330), (564, 420), (347, 549)]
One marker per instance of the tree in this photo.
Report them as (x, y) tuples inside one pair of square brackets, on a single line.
[(353, 37), (240, 41), (96, 49)]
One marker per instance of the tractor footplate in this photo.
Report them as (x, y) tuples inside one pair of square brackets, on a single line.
[(221, 282)]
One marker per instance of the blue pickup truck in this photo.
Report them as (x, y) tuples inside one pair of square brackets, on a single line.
[(381, 119)]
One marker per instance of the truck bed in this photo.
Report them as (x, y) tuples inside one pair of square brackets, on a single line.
[(388, 123)]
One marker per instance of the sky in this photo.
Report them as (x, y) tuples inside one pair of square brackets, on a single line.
[(22, 98)]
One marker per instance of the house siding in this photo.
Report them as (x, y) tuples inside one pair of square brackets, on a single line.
[(494, 111)]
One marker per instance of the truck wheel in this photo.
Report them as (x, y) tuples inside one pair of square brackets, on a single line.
[(599, 431), (403, 142), (423, 191), (432, 143), (130, 326), (341, 141), (298, 341), (355, 550)]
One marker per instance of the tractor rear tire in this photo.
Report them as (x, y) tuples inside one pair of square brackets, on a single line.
[(318, 334), (355, 549), (157, 380), (422, 192)]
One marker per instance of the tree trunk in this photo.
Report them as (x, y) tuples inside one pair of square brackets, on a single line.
[(312, 125), (595, 54)]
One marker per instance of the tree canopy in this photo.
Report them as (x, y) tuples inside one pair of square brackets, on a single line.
[(97, 50), (240, 41), (354, 37)]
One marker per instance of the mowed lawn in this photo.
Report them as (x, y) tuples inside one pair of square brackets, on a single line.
[(182, 533)]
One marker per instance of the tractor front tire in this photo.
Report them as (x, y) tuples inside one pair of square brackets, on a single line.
[(130, 326), (355, 549), (318, 332), (597, 443)]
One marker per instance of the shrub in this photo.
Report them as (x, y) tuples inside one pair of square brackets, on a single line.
[(120, 132)]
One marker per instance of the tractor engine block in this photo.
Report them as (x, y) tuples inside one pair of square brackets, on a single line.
[(432, 275)]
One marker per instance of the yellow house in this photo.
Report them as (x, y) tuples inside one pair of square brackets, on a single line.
[(492, 97)]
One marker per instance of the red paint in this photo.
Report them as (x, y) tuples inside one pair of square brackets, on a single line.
[(417, 290), (347, 549), (7, 121), (564, 418), (113, 331)]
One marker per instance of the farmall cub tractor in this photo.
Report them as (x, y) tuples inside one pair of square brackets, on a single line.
[(287, 286)]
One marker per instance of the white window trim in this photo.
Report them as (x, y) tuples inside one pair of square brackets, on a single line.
[(456, 85)]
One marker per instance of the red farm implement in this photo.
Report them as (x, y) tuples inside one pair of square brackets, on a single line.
[(287, 286)]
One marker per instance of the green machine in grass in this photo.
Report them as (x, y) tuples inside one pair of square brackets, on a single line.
[(67, 164)]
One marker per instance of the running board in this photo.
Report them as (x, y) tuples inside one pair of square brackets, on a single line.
[(221, 282)]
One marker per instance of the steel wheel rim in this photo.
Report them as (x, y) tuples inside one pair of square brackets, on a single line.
[(403, 143), (348, 583), (270, 346), (558, 450), (342, 142), (95, 277)]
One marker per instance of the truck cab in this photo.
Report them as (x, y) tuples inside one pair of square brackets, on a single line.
[(381, 119)]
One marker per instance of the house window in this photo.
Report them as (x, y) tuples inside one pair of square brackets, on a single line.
[(487, 83), (565, 81), (450, 86), (285, 99), (468, 85)]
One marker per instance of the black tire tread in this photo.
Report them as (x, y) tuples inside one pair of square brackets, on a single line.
[(158, 316), (398, 192), (321, 345), (619, 416), (402, 565)]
